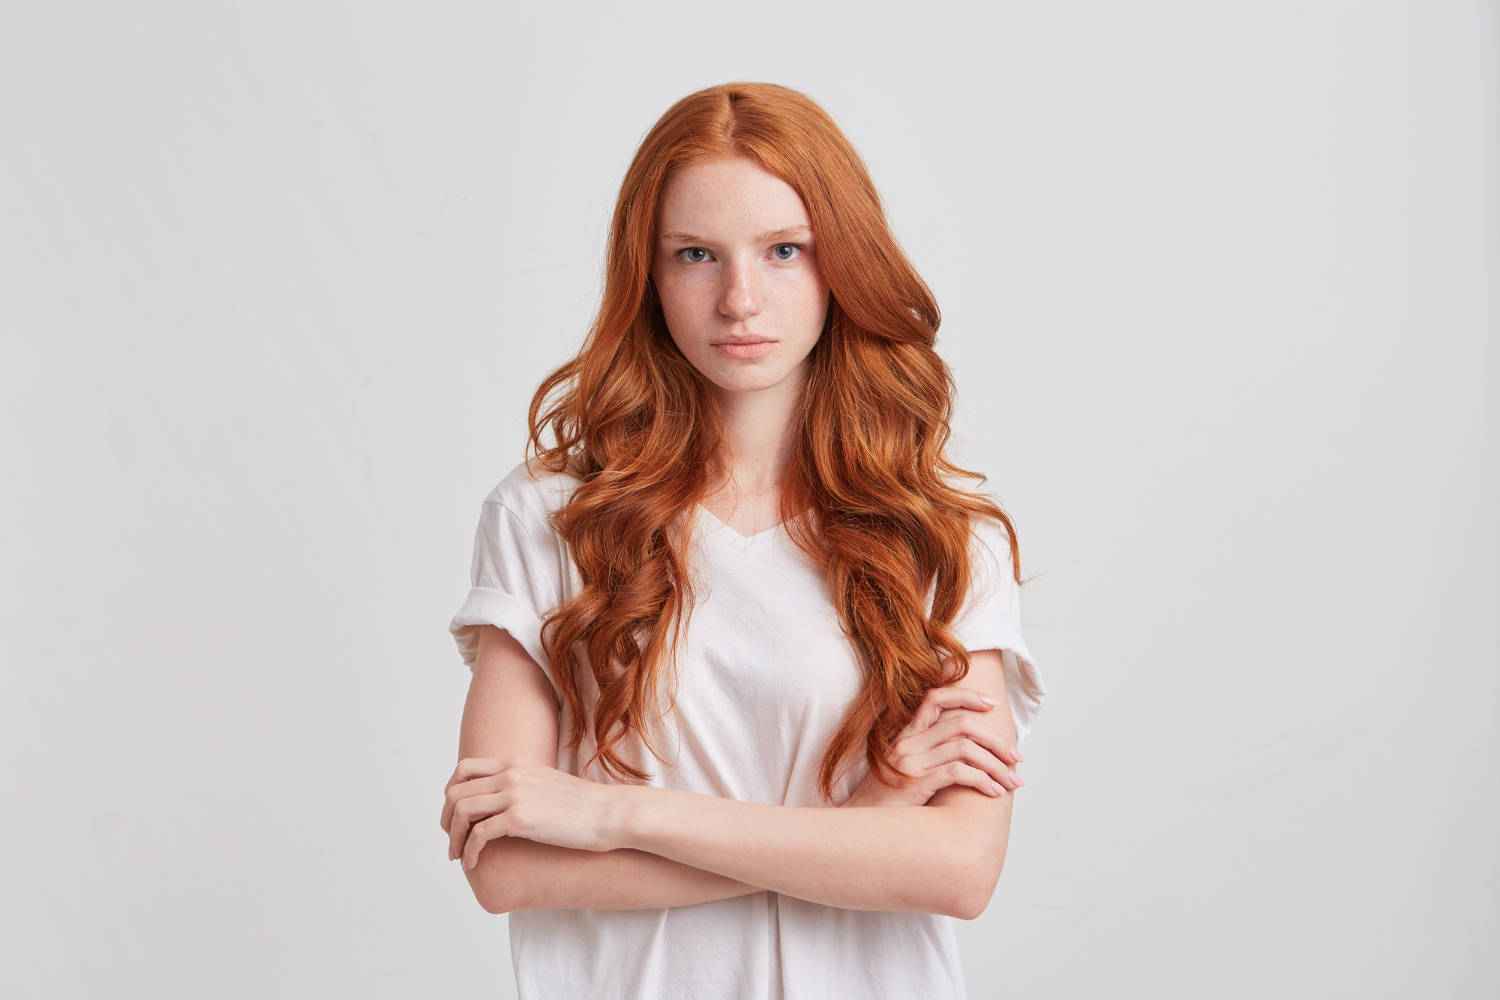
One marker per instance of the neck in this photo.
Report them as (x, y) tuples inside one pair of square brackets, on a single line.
[(759, 430)]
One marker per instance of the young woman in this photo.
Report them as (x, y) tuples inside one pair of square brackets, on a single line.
[(715, 743)]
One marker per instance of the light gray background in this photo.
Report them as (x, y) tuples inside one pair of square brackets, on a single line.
[(277, 281)]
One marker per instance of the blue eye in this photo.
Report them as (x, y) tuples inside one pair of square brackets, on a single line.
[(786, 251), (695, 255)]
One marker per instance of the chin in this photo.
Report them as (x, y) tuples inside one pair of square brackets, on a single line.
[(748, 379)]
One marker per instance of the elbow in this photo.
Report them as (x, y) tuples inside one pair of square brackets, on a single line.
[(495, 888), (974, 886), (489, 902), (970, 902)]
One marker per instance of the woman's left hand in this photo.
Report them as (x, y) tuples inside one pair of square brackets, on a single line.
[(946, 743), (490, 797)]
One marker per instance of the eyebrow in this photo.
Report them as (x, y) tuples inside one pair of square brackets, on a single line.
[(788, 233)]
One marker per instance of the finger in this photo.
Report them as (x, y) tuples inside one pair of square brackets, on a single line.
[(463, 790), (958, 773), (939, 699), (956, 724), (467, 813), (483, 833), (475, 767), (1011, 754), (966, 750)]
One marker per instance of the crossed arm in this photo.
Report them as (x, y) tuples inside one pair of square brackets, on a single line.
[(676, 848)]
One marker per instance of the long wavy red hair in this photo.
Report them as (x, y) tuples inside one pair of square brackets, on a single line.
[(635, 422)]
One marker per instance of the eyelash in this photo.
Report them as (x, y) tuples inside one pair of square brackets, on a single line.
[(785, 260)]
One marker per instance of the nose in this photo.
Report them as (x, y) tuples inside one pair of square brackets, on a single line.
[(739, 298)]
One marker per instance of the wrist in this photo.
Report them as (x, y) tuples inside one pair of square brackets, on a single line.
[(622, 814)]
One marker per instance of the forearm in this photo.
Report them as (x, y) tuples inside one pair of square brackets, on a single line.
[(921, 858), (517, 874)]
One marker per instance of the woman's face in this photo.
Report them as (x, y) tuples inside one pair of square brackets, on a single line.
[(737, 274)]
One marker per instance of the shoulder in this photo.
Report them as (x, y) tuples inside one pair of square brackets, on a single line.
[(991, 560), (991, 538), (531, 494)]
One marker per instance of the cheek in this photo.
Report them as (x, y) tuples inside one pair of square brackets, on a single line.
[(807, 307), (682, 305)]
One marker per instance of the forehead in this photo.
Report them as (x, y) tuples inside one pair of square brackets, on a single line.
[(728, 196)]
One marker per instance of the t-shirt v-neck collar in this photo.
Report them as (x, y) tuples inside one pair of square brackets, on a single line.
[(726, 535)]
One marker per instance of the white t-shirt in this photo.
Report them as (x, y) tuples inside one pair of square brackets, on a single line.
[(764, 677)]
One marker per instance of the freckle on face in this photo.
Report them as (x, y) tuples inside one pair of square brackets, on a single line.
[(740, 281)]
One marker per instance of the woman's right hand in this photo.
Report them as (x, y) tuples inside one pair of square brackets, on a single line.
[(946, 743)]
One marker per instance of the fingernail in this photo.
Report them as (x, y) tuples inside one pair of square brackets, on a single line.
[(986, 699), (1016, 754), (1018, 779), (999, 788)]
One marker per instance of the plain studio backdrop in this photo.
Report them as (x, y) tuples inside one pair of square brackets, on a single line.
[(1219, 287)]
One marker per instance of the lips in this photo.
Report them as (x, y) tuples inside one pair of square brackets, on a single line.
[(745, 348)]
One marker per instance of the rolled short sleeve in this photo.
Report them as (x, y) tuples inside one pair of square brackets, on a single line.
[(514, 579), (991, 619)]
